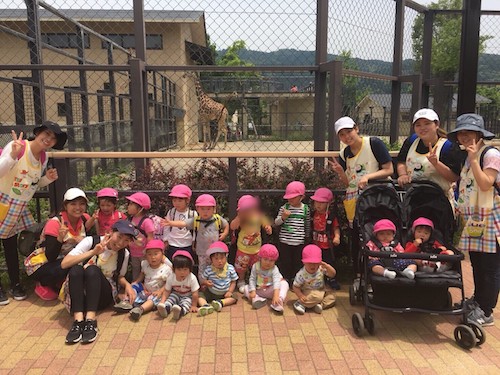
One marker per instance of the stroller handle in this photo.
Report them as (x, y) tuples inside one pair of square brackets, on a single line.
[(375, 181), (421, 256)]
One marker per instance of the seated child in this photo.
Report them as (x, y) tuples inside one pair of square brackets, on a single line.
[(220, 281), (266, 281), (423, 242), (181, 288), (382, 239), (309, 283)]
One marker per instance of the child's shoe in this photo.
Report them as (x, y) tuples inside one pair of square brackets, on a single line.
[(217, 305), (45, 293), (318, 309), (258, 302), (241, 287), (176, 312), (163, 310), (299, 308), (135, 313), (408, 273), (123, 307), (205, 310), (278, 307)]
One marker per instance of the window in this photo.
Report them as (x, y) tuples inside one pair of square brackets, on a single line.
[(153, 41), (61, 109), (65, 40)]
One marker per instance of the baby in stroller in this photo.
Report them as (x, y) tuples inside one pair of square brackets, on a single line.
[(423, 240), (383, 239)]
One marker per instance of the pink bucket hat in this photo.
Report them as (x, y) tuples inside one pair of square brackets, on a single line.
[(294, 189), (247, 201), (183, 253), (217, 247), (140, 198), (205, 200), (181, 191), (154, 244), (311, 254), (269, 251), (323, 195), (107, 192), (384, 224), (422, 221)]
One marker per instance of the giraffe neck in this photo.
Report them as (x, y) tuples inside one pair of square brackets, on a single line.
[(199, 90)]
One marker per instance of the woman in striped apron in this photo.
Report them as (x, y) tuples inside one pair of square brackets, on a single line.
[(479, 207), (22, 163)]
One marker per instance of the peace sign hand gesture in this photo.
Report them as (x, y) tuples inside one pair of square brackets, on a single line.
[(432, 157), (473, 149), (17, 144), (337, 168), (100, 247)]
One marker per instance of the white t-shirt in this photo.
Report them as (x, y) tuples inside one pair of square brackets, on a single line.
[(154, 278), (185, 287), (85, 245), (178, 237)]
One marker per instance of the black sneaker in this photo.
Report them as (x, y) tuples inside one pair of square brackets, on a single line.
[(18, 292), (89, 333), (75, 333), (4, 299)]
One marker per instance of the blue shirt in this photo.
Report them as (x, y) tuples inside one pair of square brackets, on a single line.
[(221, 284)]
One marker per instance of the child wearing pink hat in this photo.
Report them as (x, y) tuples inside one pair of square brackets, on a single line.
[(180, 294), (266, 281), (106, 214), (309, 283), (137, 209), (423, 241), (179, 238), (219, 279), (294, 217), (325, 227), (249, 223), (149, 285), (383, 239)]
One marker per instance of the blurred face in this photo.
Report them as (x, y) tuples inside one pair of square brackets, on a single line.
[(320, 206), (205, 213), (106, 206), (266, 263), (181, 273), (426, 130), (180, 204), (311, 267), (248, 213), (467, 137), (295, 201), (133, 208), (349, 136), (46, 139), (423, 232), (76, 207), (154, 257), (119, 241), (218, 260), (385, 236)]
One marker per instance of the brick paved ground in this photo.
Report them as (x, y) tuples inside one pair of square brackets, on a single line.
[(240, 340)]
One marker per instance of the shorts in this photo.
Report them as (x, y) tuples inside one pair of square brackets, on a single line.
[(209, 296), (244, 261), (396, 264), (142, 296)]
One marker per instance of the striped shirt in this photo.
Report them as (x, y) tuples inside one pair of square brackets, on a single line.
[(297, 227), (221, 285)]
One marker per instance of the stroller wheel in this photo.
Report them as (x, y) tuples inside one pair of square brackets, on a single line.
[(465, 337), (357, 324), (369, 324), (478, 332), (352, 295)]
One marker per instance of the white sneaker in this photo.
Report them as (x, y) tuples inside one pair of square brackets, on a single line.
[(162, 310), (318, 309), (299, 308), (241, 288), (176, 312)]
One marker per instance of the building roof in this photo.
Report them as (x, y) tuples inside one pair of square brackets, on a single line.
[(115, 15), (384, 100)]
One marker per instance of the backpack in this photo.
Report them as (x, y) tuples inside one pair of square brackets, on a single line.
[(173, 211), (481, 162), (29, 238), (119, 261), (43, 155), (158, 228), (197, 223)]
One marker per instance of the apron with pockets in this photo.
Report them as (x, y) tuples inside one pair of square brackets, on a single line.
[(17, 188), (480, 211)]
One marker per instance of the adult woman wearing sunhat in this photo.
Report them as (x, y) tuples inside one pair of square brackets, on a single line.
[(479, 207), (22, 164)]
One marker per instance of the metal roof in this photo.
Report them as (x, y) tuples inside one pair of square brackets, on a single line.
[(113, 15)]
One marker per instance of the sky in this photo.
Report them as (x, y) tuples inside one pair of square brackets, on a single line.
[(365, 27)]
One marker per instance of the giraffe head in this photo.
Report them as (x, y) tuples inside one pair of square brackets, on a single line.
[(190, 74)]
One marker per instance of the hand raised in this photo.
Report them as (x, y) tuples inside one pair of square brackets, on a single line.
[(473, 149), (17, 144), (52, 174), (336, 167), (432, 157)]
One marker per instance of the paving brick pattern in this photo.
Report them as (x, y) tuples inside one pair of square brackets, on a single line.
[(240, 340)]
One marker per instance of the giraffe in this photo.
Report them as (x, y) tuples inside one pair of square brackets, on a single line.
[(209, 110)]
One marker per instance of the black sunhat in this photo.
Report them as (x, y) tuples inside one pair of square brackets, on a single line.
[(126, 227), (61, 136)]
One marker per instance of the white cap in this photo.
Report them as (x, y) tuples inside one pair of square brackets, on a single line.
[(344, 123), (426, 113), (73, 193)]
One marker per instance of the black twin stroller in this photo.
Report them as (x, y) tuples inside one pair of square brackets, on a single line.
[(428, 292)]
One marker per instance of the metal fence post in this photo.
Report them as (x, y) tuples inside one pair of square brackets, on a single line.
[(334, 103), (137, 73), (59, 186), (416, 95), (233, 187), (427, 55), (397, 67), (469, 54)]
